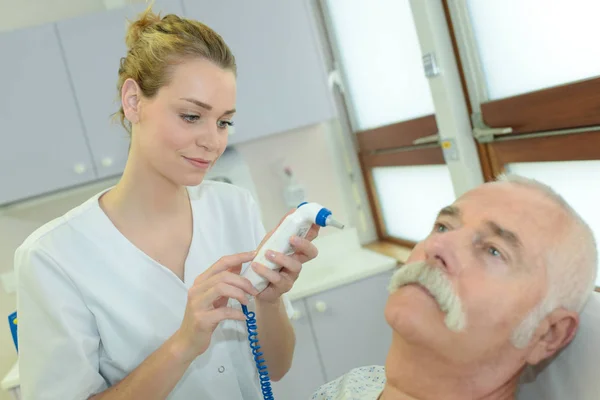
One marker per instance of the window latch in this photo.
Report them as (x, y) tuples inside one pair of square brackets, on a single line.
[(427, 139), (484, 133)]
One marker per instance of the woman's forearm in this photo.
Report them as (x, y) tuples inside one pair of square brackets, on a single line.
[(276, 337), (155, 377)]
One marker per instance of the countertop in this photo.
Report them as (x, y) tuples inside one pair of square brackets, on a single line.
[(341, 260)]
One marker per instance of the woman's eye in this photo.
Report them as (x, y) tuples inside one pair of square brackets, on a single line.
[(225, 124), (190, 118)]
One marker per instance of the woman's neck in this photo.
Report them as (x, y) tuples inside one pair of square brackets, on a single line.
[(416, 374), (144, 194)]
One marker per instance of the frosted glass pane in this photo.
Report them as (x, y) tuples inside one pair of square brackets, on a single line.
[(381, 56), (527, 45), (411, 197), (576, 181)]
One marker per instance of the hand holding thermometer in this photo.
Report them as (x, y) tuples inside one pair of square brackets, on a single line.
[(298, 223)]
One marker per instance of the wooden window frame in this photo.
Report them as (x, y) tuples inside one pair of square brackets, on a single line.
[(573, 105), (571, 147), (393, 145), (401, 134)]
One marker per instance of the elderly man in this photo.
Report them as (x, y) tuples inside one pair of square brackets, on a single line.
[(497, 285)]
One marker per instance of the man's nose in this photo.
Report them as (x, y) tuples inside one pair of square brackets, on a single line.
[(441, 250)]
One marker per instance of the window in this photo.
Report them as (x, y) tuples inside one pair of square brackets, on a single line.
[(380, 55), (534, 61), (397, 204), (391, 112), (535, 54)]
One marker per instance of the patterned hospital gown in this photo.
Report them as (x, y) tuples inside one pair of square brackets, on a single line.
[(364, 383)]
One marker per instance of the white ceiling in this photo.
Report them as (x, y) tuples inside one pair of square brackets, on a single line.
[(16, 14)]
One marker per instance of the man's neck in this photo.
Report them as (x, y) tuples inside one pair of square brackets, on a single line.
[(416, 374)]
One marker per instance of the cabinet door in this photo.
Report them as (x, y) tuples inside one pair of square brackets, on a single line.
[(350, 328), (306, 374), (282, 81), (94, 45), (42, 144)]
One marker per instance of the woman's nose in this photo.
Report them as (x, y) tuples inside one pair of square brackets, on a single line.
[(208, 137)]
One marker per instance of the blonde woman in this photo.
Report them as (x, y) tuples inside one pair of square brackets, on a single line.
[(131, 294)]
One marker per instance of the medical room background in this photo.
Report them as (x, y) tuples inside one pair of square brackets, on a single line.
[(384, 111)]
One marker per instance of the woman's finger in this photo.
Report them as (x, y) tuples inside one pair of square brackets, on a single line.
[(231, 279), (288, 262), (271, 276), (313, 232), (216, 316), (304, 246), (227, 262), (222, 290)]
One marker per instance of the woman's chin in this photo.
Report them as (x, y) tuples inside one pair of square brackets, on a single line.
[(194, 179)]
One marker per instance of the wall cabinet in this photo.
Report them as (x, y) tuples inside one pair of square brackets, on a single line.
[(58, 88), (346, 328), (306, 373), (42, 145)]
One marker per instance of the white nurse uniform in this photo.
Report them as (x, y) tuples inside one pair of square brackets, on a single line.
[(92, 306)]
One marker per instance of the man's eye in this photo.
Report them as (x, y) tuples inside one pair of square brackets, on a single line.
[(440, 227), (494, 251)]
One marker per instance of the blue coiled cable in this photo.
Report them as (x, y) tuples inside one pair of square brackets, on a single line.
[(261, 366)]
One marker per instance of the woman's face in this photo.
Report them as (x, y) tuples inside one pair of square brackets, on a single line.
[(183, 130)]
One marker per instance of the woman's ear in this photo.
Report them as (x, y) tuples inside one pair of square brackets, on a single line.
[(557, 330), (130, 100)]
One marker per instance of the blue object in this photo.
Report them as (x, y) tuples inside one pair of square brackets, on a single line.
[(322, 215), (321, 219), (265, 381), (12, 322)]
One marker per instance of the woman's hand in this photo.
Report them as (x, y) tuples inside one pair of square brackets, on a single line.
[(283, 280), (207, 303)]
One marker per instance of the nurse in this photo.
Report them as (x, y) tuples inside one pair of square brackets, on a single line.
[(135, 293)]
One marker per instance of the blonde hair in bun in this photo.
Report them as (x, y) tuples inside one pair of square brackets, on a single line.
[(155, 44)]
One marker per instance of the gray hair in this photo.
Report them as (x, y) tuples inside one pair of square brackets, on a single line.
[(572, 265)]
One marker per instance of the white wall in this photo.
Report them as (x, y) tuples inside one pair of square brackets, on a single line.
[(307, 153)]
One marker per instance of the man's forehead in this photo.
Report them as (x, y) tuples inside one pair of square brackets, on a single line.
[(526, 218)]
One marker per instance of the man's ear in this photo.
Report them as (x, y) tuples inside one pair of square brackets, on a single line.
[(555, 332), (130, 100)]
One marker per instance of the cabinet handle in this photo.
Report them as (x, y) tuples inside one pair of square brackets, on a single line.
[(107, 162), (321, 306), (296, 315), (79, 168)]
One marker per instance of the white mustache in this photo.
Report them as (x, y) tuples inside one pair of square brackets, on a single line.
[(434, 280)]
